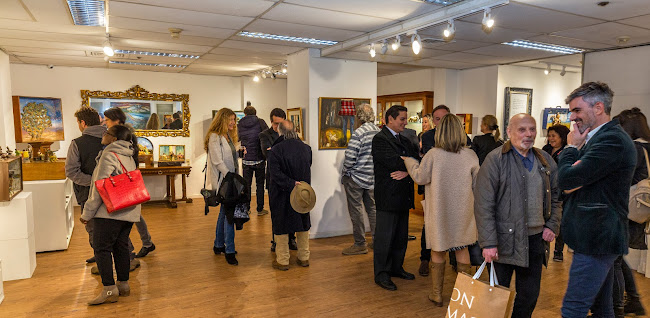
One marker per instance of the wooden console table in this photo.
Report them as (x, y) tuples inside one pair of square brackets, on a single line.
[(170, 174)]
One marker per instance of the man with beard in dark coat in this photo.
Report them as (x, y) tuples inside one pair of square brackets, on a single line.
[(289, 164)]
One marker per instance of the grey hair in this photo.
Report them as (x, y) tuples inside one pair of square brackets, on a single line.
[(365, 114), (592, 93), (287, 130)]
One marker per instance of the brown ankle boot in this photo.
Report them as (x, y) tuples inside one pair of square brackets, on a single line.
[(109, 294), (464, 268), (437, 278), (124, 288)]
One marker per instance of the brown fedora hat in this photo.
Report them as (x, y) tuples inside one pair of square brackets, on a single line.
[(303, 197)]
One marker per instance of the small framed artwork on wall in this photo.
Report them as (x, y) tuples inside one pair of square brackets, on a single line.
[(294, 115), (336, 120)]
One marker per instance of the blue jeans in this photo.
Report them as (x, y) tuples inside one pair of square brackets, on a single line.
[(591, 279), (225, 233)]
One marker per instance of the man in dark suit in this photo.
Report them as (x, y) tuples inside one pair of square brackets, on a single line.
[(595, 172), (393, 197)]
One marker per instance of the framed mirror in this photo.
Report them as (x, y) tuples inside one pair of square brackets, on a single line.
[(151, 114)]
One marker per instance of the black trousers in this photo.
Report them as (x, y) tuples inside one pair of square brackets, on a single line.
[(111, 242), (425, 253), (259, 171), (528, 279), (391, 240)]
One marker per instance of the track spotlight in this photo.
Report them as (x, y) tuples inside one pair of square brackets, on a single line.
[(372, 50), (416, 43), (264, 74), (548, 69), (108, 47), (284, 68), (256, 78), (273, 75), (449, 32), (488, 21), (563, 70), (384, 47), (395, 46)]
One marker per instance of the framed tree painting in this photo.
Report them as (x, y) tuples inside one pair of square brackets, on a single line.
[(517, 101), (294, 115), (37, 119), (336, 120)]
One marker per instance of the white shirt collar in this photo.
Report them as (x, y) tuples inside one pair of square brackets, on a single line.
[(391, 131), (593, 132)]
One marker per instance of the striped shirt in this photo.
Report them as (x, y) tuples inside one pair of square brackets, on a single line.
[(358, 163)]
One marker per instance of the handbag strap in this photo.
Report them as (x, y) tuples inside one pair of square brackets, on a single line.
[(493, 276), (123, 168), (647, 162)]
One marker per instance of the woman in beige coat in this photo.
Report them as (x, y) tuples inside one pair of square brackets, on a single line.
[(448, 173)]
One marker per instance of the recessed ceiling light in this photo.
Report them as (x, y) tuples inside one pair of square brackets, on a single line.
[(87, 12), (544, 47), (259, 35), (185, 56), (147, 64)]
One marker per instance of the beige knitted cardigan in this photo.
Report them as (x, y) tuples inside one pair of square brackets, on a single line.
[(448, 180)]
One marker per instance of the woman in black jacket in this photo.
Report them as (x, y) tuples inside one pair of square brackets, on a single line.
[(483, 144), (635, 124)]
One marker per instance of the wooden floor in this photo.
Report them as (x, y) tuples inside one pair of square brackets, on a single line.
[(183, 278)]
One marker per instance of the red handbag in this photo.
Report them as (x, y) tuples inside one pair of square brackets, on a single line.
[(123, 190)]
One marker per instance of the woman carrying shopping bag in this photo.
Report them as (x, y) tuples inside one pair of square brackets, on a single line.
[(112, 229)]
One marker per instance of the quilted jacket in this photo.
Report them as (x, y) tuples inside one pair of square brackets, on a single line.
[(500, 206)]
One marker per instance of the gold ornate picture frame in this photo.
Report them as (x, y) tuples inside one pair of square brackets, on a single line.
[(138, 93)]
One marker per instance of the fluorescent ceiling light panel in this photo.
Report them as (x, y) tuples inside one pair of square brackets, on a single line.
[(148, 64), (544, 47), (87, 12), (442, 2), (259, 35), (185, 56)]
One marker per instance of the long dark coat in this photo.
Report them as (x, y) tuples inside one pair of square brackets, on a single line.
[(289, 161)]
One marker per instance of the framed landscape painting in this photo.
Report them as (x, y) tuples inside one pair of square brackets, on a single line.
[(37, 119), (137, 113), (336, 120)]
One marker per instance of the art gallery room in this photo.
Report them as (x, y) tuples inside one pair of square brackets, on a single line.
[(165, 78)]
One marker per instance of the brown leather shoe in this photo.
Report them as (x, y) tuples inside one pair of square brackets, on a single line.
[(302, 263), (279, 266), (424, 268)]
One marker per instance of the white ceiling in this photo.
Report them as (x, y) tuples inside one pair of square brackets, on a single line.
[(42, 32)]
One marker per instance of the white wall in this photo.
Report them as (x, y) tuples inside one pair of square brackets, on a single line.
[(416, 81), (206, 93), (7, 135), (476, 94), (328, 78), (548, 91), (265, 95), (626, 71)]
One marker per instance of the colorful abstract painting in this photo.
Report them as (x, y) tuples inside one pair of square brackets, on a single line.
[(137, 113)]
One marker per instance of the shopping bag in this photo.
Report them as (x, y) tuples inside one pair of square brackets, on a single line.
[(123, 190), (474, 298)]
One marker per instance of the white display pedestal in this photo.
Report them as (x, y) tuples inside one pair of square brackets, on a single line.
[(17, 247), (2, 291), (53, 213)]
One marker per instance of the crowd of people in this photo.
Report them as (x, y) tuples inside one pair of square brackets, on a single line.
[(503, 202)]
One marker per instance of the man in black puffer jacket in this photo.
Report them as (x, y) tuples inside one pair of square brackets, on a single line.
[(253, 161)]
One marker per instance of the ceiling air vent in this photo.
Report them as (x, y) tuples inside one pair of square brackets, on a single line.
[(116, 56)]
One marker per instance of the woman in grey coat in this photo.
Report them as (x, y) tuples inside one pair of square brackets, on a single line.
[(220, 144), (111, 232)]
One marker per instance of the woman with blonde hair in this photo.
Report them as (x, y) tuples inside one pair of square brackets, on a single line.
[(153, 123), (220, 144), (491, 139), (448, 172)]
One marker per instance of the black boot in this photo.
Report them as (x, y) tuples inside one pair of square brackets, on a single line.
[(273, 246), (218, 250), (230, 258), (633, 306), (619, 312), (292, 245)]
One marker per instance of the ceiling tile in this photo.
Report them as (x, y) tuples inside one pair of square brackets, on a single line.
[(614, 11), (515, 54), (18, 50), (50, 28), (53, 37), (63, 62), (162, 37), (12, 9), (325, 18), (163, 27), (248, 8), (473, 32), (52, 12), (533, 19), (455, 45), (384, 69), (298, 30), (571, 42), (474, 58), (146, 12), (607, 33), (144, 45), (219, 59), (388, 9), (245, 53), (254, 46), (444, 64), (640, 21), (49, 45)]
